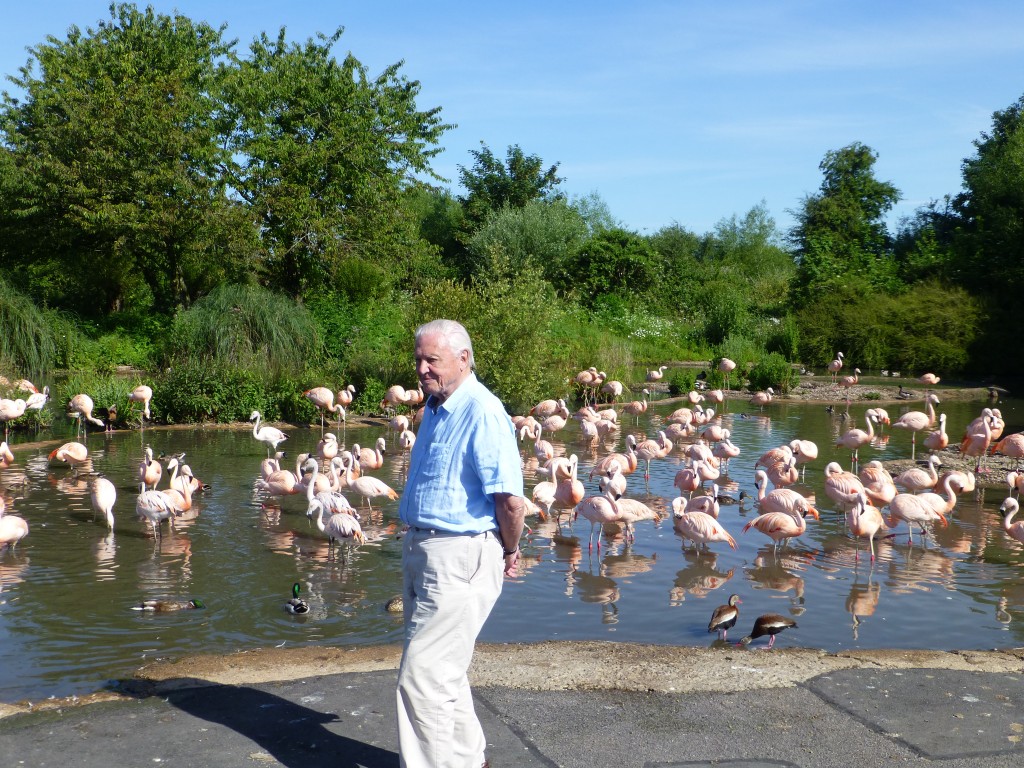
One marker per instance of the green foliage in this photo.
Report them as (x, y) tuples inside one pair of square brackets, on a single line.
[(681, 381), (613, 262), (247, 326), (27, 341), (840, 236), (783, 337), (539, 235), (198, 390), (369, 396), (492, 184), (773, 371)]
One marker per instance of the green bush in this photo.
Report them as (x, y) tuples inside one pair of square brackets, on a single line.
[(773, 370), (681, 381)]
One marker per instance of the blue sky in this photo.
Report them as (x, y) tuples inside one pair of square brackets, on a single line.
[(673, 112)]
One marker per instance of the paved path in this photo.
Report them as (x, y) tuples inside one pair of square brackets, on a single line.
[(864, 716)]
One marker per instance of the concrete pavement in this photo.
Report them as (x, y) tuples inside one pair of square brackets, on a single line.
[(957, 709)]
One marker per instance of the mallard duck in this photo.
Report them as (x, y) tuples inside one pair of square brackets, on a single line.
[(395, 605), (168, 605), (296, 604)]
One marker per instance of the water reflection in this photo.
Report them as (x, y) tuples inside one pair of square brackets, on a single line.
[(240, 549)]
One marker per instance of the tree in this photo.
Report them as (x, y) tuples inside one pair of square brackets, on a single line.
[(613, 263), (324, 153), (110, 195), (540, 235), (491, 184), (840, 236)]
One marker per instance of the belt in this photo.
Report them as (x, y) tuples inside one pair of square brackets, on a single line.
[(440, 532)]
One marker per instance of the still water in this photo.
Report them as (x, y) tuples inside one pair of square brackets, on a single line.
[(67, 592)]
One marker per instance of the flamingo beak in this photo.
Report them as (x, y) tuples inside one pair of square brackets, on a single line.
[(942, 517), (813, 511)]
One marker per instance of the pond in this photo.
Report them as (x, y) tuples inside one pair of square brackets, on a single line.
[(67, 592)]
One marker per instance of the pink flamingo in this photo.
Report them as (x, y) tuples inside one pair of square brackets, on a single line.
[(938, 440), (633, 511), (652, 449), (878, 483), (916, 421), (656, 375), (11, 410), (929, 379), (698, 527), (761, 399), (637, 407), (835, 366), (804, 452), (1011, 446), (853, 439), (103, 495), (71, 453), (1010, 507), (782, 473), (726, 366), (849, 381), (774, 455), (323, 399), (142, 394), (865, 521), (613, 388), (842, 487), (780, 500), (368, 487), (911, 508), (627, 461), (271, 436), (783, 525), (726, 449), (6, 457), (546, 408), (150, 470), (1016, 482), (917, 479), (598, 510), (12, 530), (977, 443), (687, 480), (370, 458)]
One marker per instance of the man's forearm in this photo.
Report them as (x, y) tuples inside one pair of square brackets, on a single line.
[(510, 512)]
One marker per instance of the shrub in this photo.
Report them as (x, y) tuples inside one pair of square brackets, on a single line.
[(681, 381), (772, 371)]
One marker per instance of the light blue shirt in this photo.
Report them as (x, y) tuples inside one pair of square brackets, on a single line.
[(465, 452)]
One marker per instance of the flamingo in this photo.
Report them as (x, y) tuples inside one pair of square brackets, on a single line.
[(976, 443), (598, 510), (277, 481), (917, 479), (878, 483), (865, 521), (726, 449), (787, 522), (780, 500), (849, 381), (6, 457), (1010, 507), (80, 407), (656, 375), (835, 366), (637, 407), (929, 379), (920, 509), (399, 423), (769, 624), (761, 399), (179, 494), (804, 452), (150, 470), (853, 439), (11, 410), (340, 525), (782, 473), (613, 388), (370, 458), (406, 439), (556, 421), (103, 495), (938, 440), (842, 487), (653, 449), (74, 454), (613, 480), (916, 421), (632, 511), (773, 455), (546, 408), (155, 507), (323, 399), (141, 394), (1012, 446), (724, 617), (346, 396), (698, 527), (37, 400), (687, 480), (726, 366), (271, 436), (12, 530), (366, 486), (627, 461)]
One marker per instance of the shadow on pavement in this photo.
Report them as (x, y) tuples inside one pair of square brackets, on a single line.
[(294, 735)]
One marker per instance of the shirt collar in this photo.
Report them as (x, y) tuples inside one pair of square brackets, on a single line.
[(455, 398)]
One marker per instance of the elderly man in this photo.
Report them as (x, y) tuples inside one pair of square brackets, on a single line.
[(464, 508)]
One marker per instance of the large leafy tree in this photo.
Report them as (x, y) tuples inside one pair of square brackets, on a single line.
[(492, 184), (110, 195), (840, 237), (323, 154)]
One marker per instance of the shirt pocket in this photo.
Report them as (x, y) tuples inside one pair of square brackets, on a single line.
[(439, 457)]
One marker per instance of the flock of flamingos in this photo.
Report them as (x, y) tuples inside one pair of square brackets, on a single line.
[(919, 497)]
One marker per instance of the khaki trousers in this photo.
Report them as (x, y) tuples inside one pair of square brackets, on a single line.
[(451, 582)]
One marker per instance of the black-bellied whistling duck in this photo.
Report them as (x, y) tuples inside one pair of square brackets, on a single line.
[(725, 616), (769, 624)]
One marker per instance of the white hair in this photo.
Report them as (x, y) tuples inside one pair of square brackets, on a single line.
[(454, 332)]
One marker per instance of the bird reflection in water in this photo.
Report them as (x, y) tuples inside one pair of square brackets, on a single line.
[(105, 551), (780, 573), (923, 569), (862, 600), (701, 577), (13, 567), (598, 588)]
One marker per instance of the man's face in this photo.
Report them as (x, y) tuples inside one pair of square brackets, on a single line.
[(439, 369)]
